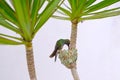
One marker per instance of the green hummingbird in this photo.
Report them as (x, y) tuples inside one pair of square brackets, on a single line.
[(59, 45)]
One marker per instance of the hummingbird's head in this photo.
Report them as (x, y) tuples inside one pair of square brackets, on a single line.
[(67, 42)]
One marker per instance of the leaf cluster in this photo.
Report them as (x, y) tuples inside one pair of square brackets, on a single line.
[(87, 10), (24, 17)]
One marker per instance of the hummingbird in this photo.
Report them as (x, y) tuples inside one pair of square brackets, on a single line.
[(59, 45)]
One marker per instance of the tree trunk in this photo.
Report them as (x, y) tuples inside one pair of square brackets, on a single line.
[(30, 61), (73, 46)]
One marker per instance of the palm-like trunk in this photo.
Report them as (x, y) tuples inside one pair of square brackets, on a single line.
[(73, 46), (30, 61)]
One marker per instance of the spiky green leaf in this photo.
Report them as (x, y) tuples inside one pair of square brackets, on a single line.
[(23, 16), (12, 37), (7, 12), (101, 5), (46, 14), (102, 15), (89, 3), (5, 41), (7, 25), (61, 17), (36, 6)]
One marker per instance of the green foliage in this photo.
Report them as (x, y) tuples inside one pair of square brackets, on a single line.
[(7, 41), (87, 10), (27, 17), (24, 17)]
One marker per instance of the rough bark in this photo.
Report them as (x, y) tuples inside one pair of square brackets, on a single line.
[(75, 74), (73, 35), (30, 61), (73, 46)]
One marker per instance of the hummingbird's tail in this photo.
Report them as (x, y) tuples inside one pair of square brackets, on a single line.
[(53, 54)]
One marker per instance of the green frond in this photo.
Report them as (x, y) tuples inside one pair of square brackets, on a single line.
[(80, 8), (102, 15), (101, 5), (46, 14), (35, 7), (7, 12), (105, 11), (73, 5), (89, 3), (60, 12), (12, 37), (23, 16), (9, 26), (88, 10), (61, 17), (67, 6), (5, 41), (67, 12)]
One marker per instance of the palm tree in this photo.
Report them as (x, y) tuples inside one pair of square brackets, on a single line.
[(80, 10), (25, 17)]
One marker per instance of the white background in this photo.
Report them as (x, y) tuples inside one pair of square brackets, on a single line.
[(98, 45)]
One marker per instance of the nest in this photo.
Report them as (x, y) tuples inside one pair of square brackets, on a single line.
[(68, 57)]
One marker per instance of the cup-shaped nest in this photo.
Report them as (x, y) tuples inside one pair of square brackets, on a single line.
[(68, 57)]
